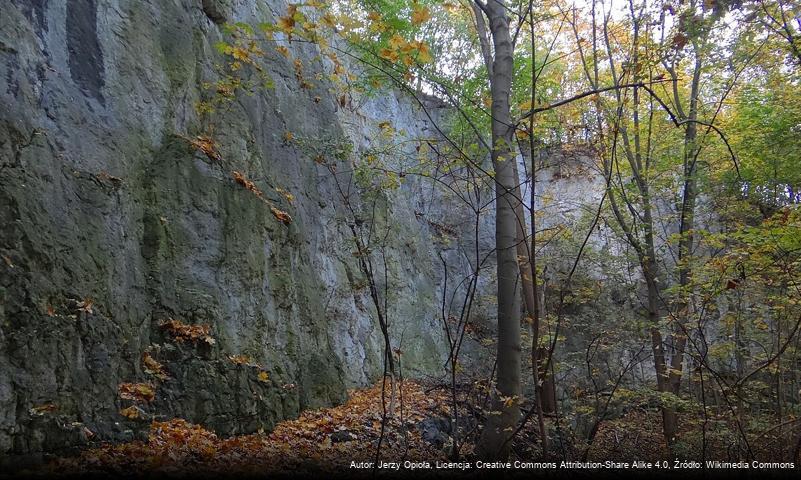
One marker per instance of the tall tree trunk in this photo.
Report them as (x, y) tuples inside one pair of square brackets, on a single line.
[(526, 258), (639, 159), (498, 427), (686, 226)]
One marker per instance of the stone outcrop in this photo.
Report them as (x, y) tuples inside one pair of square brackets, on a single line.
[(113, 224)]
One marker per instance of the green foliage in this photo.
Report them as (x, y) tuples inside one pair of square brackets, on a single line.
[(742, 289), (764, 126), (240, 71)]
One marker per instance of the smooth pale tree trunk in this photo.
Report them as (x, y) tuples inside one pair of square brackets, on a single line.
[(506, 402)]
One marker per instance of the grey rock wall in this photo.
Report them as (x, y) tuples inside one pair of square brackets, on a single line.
[(102, 201)]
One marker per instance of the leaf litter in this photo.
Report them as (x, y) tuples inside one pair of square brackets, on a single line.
[(325, 440)]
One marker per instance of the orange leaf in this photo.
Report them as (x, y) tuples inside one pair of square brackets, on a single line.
[(281, 215), (138, 392), (86, 305), (183, 332), (42, 409), (240, 179)]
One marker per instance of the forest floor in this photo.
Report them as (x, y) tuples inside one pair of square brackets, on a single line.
[(328, 440)]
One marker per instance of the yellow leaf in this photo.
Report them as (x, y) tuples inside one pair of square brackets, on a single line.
[(388, 54), (286, 24), (130, 412), (423, 54), (326, 443), (329, 20), (396, 41), (241, 360), (420, 15), (264, 377), (240, 53), (289, 197), (509, 401)]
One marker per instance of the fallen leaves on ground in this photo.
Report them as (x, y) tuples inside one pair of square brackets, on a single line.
[(281, 215), (632, 436), (240, 178), (153, 367), (243, 360), (185, 332), (132, 413), (42, 409), (326, 439), (137, 392), (86, 305), (638, 434), (207, 146)]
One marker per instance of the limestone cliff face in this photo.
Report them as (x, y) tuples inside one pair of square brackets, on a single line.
[(111, 224)]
